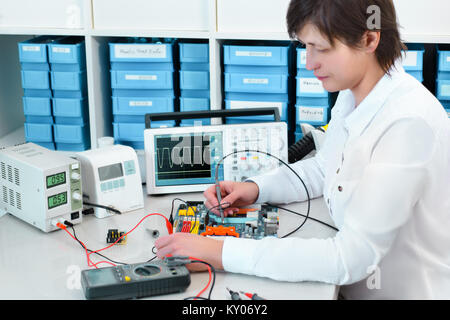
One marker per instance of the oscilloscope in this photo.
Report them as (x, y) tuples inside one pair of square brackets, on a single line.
[(184, 159)]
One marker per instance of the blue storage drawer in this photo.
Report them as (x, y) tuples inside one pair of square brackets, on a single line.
[(256, 55), (70, 110), (37, 106), (200, 94), (40, 132), (72, 134), (443, 60), (309, 87), (35, 66), (314, 115), (413, 60), (69, 50), (281, 105), (261, 83), (135, 79), (194, 80), (141, 105), (133, 110), (134, 132), (62, 80), (44, 93), (35, 79), (194, 104), (443, 89), (194, 52), (188, 66), (39, 119), (34, 50)]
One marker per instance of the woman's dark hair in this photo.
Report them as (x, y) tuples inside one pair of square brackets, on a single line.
[(347, 21)]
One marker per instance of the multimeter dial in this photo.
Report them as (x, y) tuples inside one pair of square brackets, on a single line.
[(147, 270)]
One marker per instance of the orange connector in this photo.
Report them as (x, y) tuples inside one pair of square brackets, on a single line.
[(220, 231)]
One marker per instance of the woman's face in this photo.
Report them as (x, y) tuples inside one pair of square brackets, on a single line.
[(339, 67)]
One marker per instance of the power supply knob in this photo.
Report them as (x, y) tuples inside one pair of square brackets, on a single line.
[(75, 176), (76, 196)]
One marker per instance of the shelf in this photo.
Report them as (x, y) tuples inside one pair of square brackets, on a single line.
[(150, 33)]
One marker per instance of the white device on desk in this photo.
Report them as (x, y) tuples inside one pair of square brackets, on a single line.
[(111, 178), (184, 159), (40, 186)]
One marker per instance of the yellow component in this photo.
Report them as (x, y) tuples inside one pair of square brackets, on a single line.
[(127, 278), (191, 211), (255, 158), (197, 225), (325, 127), (182, 212)]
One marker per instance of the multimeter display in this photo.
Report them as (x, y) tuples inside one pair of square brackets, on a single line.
[(57, 200), (56, 179)]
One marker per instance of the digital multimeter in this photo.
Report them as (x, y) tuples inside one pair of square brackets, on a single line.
[(134, 280)]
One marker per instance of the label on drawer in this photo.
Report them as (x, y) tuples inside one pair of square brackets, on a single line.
[(303, 57), (255, 81), (61, 50), (310, 114), (31, 48), (445, 90), (448, 59), (311, 85), (140, 103), (253, 54), (235, 104), (410, 59), (153, 51), (144, 77)]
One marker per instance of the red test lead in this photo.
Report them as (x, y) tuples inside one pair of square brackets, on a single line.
[(252, 296)]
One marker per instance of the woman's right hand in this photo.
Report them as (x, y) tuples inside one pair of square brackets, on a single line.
[(233, 194)]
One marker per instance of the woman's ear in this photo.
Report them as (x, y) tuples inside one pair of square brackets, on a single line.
[(370, 41)]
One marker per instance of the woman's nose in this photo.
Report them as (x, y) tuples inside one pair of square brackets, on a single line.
[(311, 62)]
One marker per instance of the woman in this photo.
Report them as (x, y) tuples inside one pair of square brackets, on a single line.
[(384, 169)]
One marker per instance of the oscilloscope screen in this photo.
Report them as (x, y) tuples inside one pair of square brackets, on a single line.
[(185, 158)]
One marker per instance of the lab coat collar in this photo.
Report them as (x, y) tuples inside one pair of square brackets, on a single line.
[(358, 119)]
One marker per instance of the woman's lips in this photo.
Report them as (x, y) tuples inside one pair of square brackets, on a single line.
[(321, 78)]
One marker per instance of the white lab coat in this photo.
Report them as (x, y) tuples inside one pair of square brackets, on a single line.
[(384, 172)]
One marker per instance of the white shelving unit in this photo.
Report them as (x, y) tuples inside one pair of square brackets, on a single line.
[(99, 21)]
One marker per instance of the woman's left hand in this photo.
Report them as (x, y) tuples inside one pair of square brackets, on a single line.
[(187, 244)]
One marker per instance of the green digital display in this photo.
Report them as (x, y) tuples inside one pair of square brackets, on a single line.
[(57, 200), (56, 179)]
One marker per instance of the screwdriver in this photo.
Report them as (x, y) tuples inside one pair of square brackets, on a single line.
[(252, 296), (234, 295)]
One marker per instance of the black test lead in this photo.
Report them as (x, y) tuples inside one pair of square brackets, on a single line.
[(234, 295)]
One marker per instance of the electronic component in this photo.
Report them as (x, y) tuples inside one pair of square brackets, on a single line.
[(134, 280), (114, 235), (111, 178), (184, 159), (254, 223), (40, 186)]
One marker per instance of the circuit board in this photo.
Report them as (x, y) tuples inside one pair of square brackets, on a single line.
[(251, 223)]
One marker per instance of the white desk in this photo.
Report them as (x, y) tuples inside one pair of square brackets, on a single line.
[(38, 265)]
